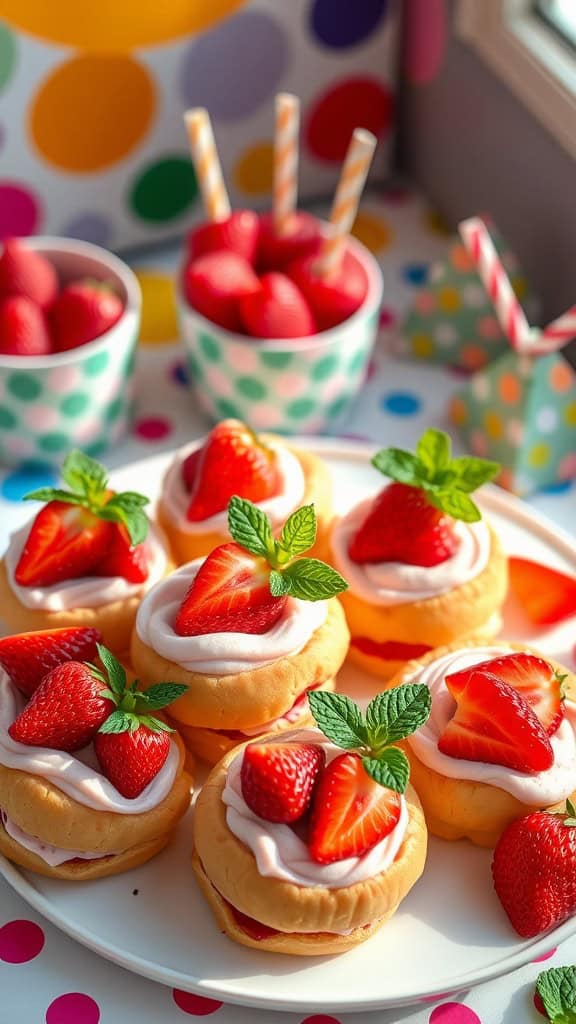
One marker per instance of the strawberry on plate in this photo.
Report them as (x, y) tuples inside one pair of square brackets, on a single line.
[(215, 283), (23, 330), (232, 460), (335, 298), (277, 310), (28, 657), (27, 273), (83, 311), (547, 596), (412, 520), (237, 233), (278, 778)]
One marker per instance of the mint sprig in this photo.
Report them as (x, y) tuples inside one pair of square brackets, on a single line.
[(447, 482), (132, 704), (88, 483), (308, 579), (391, 716), (557, 990)]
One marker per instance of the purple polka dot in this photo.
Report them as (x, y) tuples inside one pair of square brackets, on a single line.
[(19, 210), (180, 375), (20, 941), (460, 371), (153, 428), (73, 1008), (454, 1013), (340, 24), (91, 227), (196, 1006), (545, 956), (236, 90)]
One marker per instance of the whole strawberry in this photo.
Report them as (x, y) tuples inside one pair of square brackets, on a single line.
[(23, 330), (82, 312), (28, 273), (66, 710), (534, 870)]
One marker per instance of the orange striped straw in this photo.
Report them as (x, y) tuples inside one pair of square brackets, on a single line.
[(207, 163), (285, 160), (348, 193)]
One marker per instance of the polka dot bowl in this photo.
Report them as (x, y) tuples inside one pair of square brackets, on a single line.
[(81, 398), (294, 385)]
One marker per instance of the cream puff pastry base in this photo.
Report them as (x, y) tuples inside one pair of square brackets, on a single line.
[(226, 871), (458, 808)]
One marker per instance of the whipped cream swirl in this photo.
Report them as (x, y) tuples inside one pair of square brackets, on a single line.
[(393, 583), (85, 591), (540, 789), (280, 853), (221, 654), (175, 498)]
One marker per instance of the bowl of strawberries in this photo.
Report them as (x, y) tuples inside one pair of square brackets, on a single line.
[(69, 320)]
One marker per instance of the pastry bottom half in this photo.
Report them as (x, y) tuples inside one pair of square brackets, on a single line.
[(285, 917)]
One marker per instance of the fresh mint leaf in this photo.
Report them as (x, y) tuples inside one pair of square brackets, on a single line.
[(130, 515), (132, 499), (299, 531), (433, 450), (115, 671), (162, 694), (250, 527), (557, 990), (118, 721), (339, 718), (313, 580), (401, 466), (54, 494), (397, 713), (279, 584), (83, 474), (391, 769), (471, 473), (455, 503)]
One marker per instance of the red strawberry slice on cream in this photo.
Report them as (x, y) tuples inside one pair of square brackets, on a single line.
[(547, 595), (278, 778)]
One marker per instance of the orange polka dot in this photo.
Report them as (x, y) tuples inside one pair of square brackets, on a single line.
[(473, 357), (108, 27), (92, 111), (494, 425), (422, 345), (457, 411), (158, 324), (561, 377), (372, 231), (436, 224), (506, 479), (449, 300), (254, 171), (460, 259), (509, 388)]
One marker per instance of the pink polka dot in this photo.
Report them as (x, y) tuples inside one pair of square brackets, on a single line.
[(73, 1008), (479, 443), (42, 417), (63, 377), (18, 447), (545, 956), (425, 302), (196, 1006), (264, 417), (334, 387), (425, 39), (153, 428), (20, 941), (372, 369), (243, 359), (387, 317), (567, 467), (88, 430), (218, 381), (488, 327), (19, 210), (320, 1018), (454, 1013), (292, 385)]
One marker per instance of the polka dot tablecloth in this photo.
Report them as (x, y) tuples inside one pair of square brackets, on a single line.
[(45, 977)]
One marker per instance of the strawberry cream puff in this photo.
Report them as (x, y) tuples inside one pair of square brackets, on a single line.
[(302, 848), (500, 742), (204, 475), (249, 630), (423, 567), (86, 558), (91, 784)]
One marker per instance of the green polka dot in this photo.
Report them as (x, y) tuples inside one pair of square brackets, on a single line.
[(7, 54), (337, 407), (7, 419), (195, 371), (227, 410), (324, 367), (300, 408), (96, 449), (114, 409), (75, 403), (209, 346), (357, 362), (96, 364), (250, 387), (276, 360), (164, 190), (54, 442), (24, 387)]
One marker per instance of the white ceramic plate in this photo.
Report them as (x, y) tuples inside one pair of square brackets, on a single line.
[(449, 934)]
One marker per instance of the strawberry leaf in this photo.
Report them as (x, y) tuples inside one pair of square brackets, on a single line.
[(397, 713), (115, 671), (339, 718), (118, 721), (433, 451), (398, 465), (313, 580), (250, 527), (557, 990), (162, 694), (279, 584), (391, 769), (455, 503), (299, 531)]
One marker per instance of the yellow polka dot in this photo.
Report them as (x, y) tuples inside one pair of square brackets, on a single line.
[(372, 231), (457, 411), (570, 414), (253, 172), (422, 345), (561, 376), (436, 224), (460, 259), (92, 111), (449, 300), (509, 388), (104, 26), (539, 455), (493, 424), (520, 286), (159, 322)]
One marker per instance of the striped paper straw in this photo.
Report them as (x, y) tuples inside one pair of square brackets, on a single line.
[(559, 332), (346, 200), (285, 160), (207, 164)]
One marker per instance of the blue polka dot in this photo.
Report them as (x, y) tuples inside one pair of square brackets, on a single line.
[(415, 273), (560, 488), (179, 374), (28, 478), (340, 24), (401, 403)]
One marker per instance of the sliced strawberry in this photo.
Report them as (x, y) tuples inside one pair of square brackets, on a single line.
[(495, 725), (230, 594), (233, 461), (276, 252), (237, 233), (28, 657), (122, 558), (546, 595), (277, 310), (334, 298), (84, 310), (278, 779), (215, 283), (65, 541), (23, 330), (28, 273), (131, 759), (65, 711), (533, 678), (402, 526), (350, 812)]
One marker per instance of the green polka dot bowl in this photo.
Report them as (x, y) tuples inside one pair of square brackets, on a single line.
[(289, 385), (81, 398)]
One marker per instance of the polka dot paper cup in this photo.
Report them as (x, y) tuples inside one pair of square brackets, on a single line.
[(81, 398), (299, 385)]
